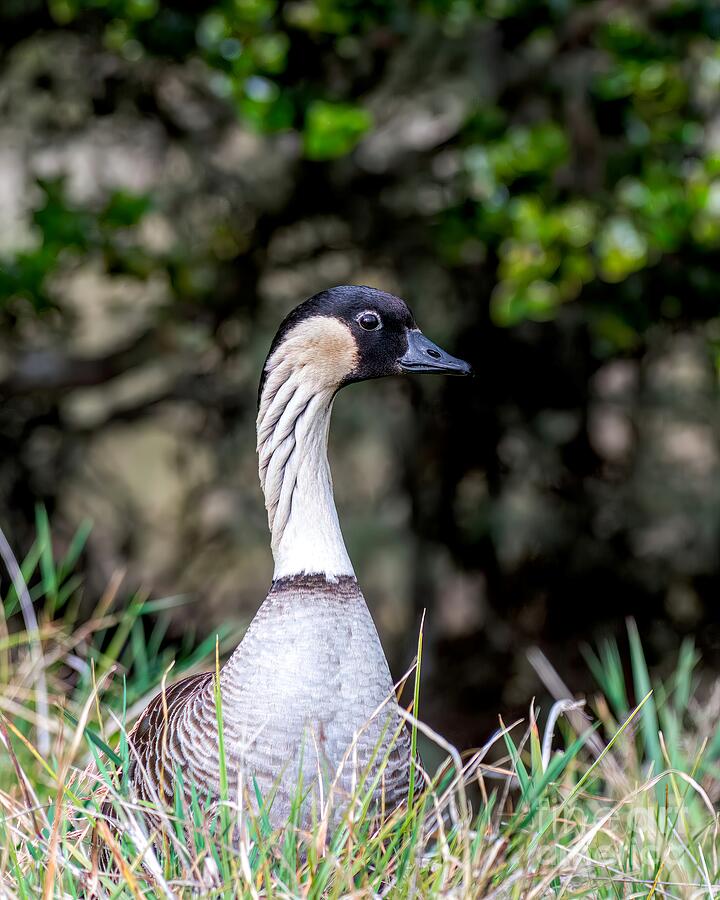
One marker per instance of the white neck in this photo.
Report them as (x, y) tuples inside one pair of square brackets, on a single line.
[(292, 429)]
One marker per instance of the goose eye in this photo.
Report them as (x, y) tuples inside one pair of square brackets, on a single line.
[(370, 321)]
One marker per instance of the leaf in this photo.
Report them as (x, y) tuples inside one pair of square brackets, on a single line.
[(334, 129), (93, 737), (643, 688), (125, 209)]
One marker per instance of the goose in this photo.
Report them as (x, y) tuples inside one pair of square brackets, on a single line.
[(307, 697)]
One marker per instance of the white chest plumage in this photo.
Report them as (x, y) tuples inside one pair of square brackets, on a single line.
[(309, 692)]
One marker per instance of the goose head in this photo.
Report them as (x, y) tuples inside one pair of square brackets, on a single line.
[(340, 336), (352, 333)]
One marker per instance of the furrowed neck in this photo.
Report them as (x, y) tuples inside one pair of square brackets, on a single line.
[(292, 436)]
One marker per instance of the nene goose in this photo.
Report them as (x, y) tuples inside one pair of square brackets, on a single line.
[(301, 693)]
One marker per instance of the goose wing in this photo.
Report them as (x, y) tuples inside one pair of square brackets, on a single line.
[(158, 740)]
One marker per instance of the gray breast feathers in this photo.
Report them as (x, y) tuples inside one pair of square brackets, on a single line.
[(307, 699)]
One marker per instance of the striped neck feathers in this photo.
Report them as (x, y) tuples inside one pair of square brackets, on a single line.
[(301, 378)]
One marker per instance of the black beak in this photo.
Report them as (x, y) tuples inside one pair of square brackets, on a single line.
[(424, 356)]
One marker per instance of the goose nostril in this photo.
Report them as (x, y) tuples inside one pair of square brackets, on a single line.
[(433, 353)]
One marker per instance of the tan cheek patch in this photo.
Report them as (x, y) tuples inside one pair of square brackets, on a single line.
[(323, 346)]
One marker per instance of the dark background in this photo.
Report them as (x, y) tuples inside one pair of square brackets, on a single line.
[(540, 181)]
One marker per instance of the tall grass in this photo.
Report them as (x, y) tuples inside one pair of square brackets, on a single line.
[(614, 799)]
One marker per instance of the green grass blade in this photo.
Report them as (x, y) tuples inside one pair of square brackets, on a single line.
[(93, 737), (643, 688)]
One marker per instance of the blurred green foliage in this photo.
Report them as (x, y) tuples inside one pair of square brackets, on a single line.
[(65, 231), (612, 166)]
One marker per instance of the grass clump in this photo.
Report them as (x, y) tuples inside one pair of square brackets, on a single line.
[(610, 799)]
